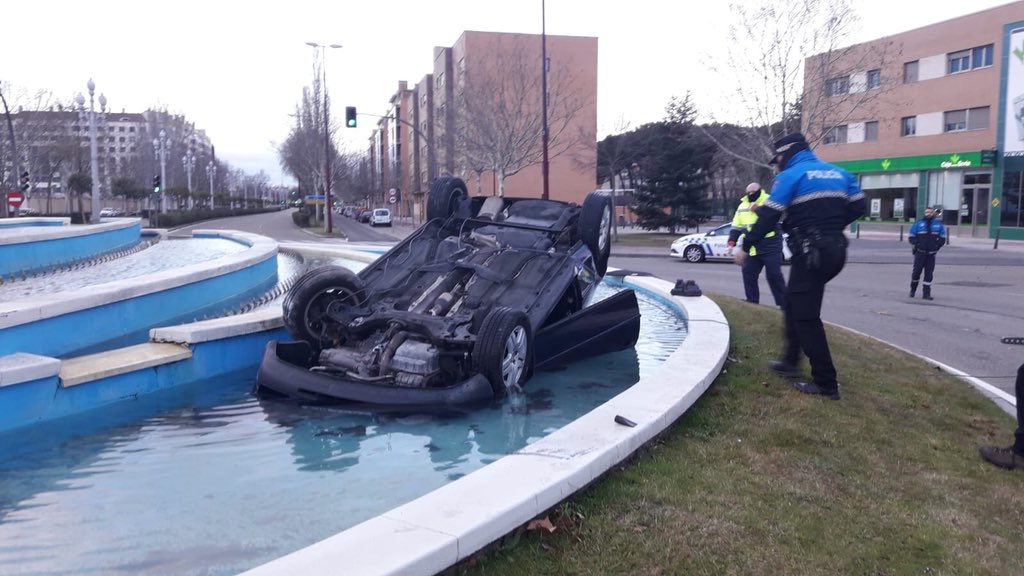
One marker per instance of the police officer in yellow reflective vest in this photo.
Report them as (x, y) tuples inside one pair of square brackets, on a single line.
[(765, 254)]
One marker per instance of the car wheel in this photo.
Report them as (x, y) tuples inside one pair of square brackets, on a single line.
[(503, 352), (312, 295), (445, 196), (595, 227), (693, 253)]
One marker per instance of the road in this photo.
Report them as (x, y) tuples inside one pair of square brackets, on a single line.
[(979, 292), (979, 298)]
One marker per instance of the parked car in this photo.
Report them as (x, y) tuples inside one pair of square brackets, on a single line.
[(465, 309), (380, 217), (364, 215), (711, 245)]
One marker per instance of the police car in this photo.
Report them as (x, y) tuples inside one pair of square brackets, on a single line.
[(710, 245)]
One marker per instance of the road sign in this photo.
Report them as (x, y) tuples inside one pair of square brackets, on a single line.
[(392, 200), (15, 198)]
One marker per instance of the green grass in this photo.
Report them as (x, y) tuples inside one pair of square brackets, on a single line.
[(759, 479)]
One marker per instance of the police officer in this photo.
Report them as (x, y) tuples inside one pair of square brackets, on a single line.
[(818, 200), (768, 252), (1012, 456), (927, 235)]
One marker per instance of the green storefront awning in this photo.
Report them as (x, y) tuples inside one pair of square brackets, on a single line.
[(956, 160)]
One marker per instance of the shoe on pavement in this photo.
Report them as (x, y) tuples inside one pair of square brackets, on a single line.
[(812, 388), (927, 298), (784, 369), (912, 293), (1002, 457)]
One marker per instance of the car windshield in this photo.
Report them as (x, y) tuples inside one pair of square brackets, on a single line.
[(381, 212)]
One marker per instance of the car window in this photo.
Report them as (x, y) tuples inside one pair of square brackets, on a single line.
[(381, 212)]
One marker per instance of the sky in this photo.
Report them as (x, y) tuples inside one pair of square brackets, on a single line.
[(237, 69)]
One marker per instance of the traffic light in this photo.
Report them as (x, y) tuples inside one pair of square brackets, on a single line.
[(350, 116), (156, 184), (26, 181)]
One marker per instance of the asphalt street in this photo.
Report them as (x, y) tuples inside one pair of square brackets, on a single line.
[(978, 290)]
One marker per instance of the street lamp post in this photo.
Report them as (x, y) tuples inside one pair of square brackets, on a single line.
[(327, 130), (211, 174), (160, 149), (189, 162), (93, 160)]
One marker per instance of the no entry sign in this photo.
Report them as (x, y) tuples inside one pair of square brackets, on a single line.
[(15, 198)]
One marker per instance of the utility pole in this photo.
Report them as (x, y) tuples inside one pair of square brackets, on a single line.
[(544, 97)]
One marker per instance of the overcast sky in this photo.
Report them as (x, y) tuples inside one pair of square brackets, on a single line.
[(237, 68)]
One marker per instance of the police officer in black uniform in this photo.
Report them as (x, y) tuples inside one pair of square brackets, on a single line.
[(818, 200)]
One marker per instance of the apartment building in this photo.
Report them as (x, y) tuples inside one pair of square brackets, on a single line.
[(53, 144), (927, 118), (484, 85)]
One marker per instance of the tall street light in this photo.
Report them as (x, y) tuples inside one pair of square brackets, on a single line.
[(322, 48), (211, 174), (93, 160), (160, 149), (189, 162)]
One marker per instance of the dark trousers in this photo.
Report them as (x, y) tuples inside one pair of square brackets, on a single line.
[(1018, 443), (802, 311), (772, 264), (926, 262)]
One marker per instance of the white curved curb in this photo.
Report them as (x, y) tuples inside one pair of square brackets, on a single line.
[(449, 524)]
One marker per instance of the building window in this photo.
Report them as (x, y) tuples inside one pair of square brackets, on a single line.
[(977, 118), (837, 86), (910, 72), (874, 79), (970, 119), (959, 61), (836, 135), (981, 56), (970, 59), (871, 131), (440, 80), (908, 126)]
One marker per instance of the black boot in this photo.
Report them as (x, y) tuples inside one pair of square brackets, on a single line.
[(927, 292), (913, 289)]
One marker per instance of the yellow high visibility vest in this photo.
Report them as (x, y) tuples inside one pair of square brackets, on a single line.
[(745, 216)]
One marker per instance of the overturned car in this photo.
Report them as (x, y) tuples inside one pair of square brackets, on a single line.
[(464, 310)]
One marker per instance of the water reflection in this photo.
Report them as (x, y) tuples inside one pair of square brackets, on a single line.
[(206, 479)]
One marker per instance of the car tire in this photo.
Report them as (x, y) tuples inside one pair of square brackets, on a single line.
[(503, 352), (694, 253), (595, 228), (309, 298), (445, 196)]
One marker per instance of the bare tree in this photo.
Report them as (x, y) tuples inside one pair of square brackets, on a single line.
[(779, 88), (499, 120)]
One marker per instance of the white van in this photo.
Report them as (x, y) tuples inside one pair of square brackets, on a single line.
[(380, 217)]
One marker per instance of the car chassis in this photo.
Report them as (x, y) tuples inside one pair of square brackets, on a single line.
[(487, 291)]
